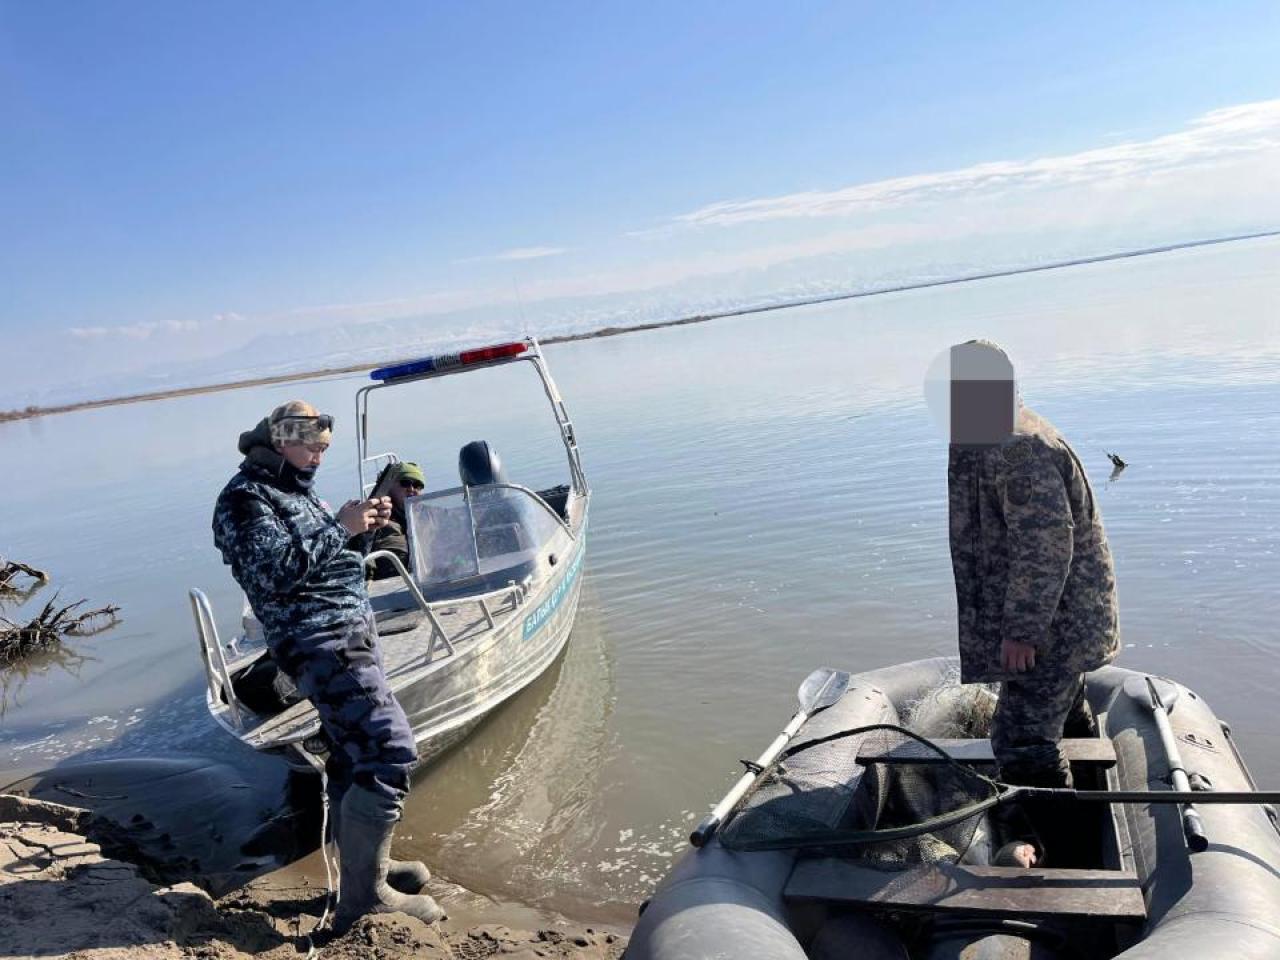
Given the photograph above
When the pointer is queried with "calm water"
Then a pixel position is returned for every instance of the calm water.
(769, 497)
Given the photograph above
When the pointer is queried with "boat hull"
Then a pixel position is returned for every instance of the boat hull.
(447, 704)
(447, 695)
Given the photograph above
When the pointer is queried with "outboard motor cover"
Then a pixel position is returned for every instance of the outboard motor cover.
(479, 463)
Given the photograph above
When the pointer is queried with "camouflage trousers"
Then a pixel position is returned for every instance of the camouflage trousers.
(340, 671)
(1033, 711)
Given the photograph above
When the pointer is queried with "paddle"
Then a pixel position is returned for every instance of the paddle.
(1148, 796)
(820, 689)
(1192, 825)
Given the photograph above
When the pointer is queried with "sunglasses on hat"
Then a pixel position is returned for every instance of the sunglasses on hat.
(323, 420)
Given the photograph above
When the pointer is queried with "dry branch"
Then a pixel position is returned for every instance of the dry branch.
(46, 630)
(10, 570)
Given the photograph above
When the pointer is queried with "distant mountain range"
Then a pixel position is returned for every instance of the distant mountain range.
(287, 353)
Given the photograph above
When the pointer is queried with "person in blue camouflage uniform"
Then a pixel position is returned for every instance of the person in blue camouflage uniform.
(290, 556)
(1035, 582)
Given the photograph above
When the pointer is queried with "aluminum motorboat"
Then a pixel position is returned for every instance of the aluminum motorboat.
(484, 606)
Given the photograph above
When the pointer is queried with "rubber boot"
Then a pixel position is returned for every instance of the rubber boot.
(1080, 722)
(364, 846)
(1038, 821)
(405, 876)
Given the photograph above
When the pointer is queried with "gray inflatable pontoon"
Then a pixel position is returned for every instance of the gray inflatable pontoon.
(1129, 886)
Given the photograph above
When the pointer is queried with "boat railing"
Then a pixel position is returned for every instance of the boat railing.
(379, 461)
(438, 634)
(526, 351)
(217, 674)
(513, 593)
(214, 654)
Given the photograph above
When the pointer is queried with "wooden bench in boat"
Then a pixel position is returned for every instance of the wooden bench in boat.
(289, 726)
(1008, 892)
(1095, 751)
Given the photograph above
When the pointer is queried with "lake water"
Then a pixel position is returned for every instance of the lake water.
(769, 496)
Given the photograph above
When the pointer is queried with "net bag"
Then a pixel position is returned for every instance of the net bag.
(879, 793)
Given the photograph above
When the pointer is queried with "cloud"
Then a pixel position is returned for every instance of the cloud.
(142, 330)
(518, 253)
(1231, 132)
(90, 333)
(1219, 175)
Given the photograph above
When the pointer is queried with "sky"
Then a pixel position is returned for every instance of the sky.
(214, 190)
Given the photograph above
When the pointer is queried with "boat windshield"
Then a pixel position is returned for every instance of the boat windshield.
(484, 536)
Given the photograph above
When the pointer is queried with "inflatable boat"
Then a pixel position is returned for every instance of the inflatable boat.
(1137, 879)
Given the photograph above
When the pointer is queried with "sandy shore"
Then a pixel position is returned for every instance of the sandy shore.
(36, 411)
(68, 889)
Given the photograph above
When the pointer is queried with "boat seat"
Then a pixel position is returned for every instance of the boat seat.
(293, 725)
(1001, 892)
(1090, 751)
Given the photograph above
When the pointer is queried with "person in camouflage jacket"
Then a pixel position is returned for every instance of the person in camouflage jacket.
(1035, 583)
(290, 556)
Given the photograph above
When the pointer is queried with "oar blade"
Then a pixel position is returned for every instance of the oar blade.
(821, 689)
(1166, 690)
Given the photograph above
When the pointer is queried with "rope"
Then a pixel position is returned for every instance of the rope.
(332, 877)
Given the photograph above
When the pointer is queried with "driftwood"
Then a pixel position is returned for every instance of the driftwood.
(10, 570)
(46, 630)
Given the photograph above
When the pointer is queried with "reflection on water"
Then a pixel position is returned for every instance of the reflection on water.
(27, 657)
(769, 496)
(516, 800)
(15, 677)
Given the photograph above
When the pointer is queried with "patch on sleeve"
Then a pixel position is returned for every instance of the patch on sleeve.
(1017, 452)
(1018, 491)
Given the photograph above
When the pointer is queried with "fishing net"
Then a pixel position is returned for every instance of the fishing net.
(879, 793)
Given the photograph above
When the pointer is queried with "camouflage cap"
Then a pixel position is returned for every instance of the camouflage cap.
(299, 423)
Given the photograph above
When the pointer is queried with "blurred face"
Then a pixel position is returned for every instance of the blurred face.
(972, 395)
(304, 456)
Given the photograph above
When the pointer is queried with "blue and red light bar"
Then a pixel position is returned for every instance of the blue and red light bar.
(447, 361)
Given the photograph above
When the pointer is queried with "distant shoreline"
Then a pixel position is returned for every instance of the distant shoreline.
(32, 412)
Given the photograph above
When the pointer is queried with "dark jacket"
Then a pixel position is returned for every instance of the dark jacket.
(1030, 555)
(285, 549)
(391, 538)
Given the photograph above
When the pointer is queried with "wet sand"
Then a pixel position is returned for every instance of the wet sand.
(31, 412)
(70, 887)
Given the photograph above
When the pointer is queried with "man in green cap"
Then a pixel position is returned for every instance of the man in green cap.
(399, 481)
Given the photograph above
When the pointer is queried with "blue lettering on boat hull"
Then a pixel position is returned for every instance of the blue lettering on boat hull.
(534, 621)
